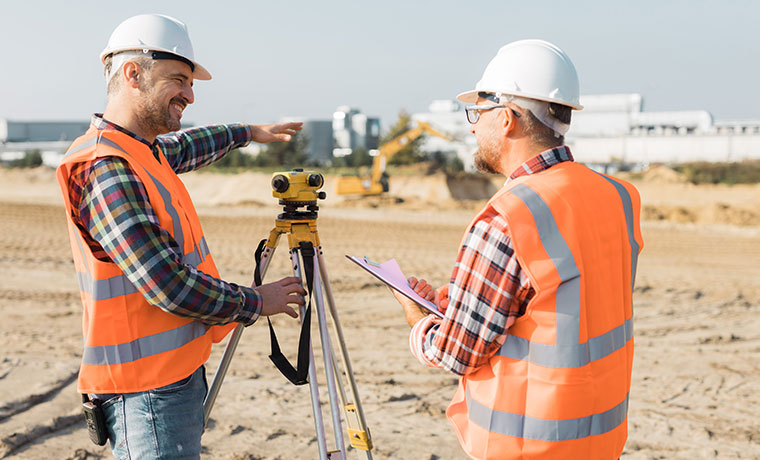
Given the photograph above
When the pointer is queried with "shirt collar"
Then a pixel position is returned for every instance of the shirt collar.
(101, 123)
(543, 161)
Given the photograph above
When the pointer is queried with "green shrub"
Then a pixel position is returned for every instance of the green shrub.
(703, 172)
(31, 159)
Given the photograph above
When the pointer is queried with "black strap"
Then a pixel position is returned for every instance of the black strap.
(299, 374)
(174, 57)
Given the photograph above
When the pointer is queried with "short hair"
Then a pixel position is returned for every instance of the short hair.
(541, 134)
(114, 84)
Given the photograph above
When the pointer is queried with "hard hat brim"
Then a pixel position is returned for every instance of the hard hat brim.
(200, 72)
(469, 97)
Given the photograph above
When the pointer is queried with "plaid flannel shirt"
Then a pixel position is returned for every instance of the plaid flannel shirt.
(112, 210)
(487, 291)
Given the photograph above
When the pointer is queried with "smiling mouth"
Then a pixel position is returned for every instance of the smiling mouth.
(178, 107)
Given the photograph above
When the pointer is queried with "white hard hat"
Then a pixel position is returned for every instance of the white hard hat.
(533, 69)
(154, 35)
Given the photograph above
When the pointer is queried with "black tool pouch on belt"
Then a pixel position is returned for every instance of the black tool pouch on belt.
(96, 420)
(296, 375)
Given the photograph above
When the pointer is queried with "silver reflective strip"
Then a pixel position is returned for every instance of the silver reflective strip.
(198, 255)
(176, 224)
(203, 248)
(102, 289)
(86, 144)
(144, 346)
(568, 355)
(105, 289)
(193, 259)
(523, 426)
(109, 142)
(625, 197)
(567, 352)
(81, 249)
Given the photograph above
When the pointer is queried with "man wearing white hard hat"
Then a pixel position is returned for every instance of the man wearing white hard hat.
(153, 299)
(538, 318)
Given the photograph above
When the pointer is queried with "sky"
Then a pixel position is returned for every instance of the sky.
(274, 59)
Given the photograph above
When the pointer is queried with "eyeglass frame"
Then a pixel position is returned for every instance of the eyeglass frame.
(475, 109)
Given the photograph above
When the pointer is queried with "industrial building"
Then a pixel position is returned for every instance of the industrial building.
(348, 129)
(353, 129)
(50, 138)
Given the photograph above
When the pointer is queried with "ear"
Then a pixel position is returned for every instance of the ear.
(132, 74)
(509, 121)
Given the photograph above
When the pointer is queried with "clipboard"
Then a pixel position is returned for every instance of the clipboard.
(390, 273)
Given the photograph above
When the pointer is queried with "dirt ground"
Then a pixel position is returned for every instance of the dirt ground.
(696, 380)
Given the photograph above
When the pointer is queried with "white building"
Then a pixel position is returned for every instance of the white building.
(614, 129)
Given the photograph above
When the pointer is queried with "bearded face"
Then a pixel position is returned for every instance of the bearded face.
(165, 91)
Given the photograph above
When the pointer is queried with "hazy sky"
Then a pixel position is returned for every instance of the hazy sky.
(303, 58)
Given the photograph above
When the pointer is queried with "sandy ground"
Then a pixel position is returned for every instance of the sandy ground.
(696, 381)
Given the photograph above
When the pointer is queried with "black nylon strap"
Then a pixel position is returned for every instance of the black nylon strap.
(299, 374)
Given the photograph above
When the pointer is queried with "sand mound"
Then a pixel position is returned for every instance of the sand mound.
(715, 213)
(663, 175)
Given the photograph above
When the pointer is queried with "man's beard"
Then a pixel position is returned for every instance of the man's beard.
(154, 117)
(485, 159)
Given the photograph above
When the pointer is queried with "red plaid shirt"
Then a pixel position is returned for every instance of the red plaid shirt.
(487, 291)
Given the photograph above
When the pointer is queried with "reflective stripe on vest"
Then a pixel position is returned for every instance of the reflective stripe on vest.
(120, 285)
(144, 346)
(628, 209)
(86, 144)
(523, 426)
(568, 352)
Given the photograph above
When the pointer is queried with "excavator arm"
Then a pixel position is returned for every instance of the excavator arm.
(374, 184)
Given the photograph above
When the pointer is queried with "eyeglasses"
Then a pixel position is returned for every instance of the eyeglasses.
(473, 111)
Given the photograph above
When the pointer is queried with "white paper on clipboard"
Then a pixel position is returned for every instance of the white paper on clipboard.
(390, 273)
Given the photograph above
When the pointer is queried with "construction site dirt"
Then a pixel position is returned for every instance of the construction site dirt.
(696, 380)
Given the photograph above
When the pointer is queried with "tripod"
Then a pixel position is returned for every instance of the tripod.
(300, 225)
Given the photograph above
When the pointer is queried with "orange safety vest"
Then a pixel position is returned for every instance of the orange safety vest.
(558, 386)
(129, 344)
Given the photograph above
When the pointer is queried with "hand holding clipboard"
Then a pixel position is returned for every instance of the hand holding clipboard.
(390, 273)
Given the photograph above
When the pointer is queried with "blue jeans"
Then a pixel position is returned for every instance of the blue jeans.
(165, 423)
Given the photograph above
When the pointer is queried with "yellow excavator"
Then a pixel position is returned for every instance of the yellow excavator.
(377, 182)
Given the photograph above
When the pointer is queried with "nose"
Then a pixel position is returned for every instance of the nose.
(188, 94)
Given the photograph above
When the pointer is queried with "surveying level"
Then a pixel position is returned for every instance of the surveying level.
(298, 192)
